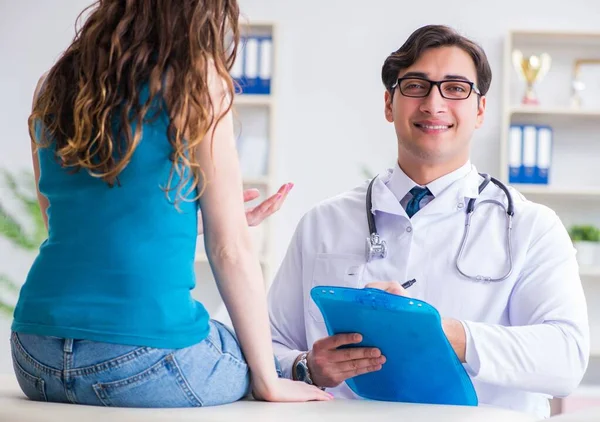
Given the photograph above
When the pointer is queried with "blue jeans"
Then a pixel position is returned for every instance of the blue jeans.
(211, 372)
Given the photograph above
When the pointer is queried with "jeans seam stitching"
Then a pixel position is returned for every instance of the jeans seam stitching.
(184, 384)
(212, 343)
(100, 393)
(133, 379)
(38, 382)
(67, 375)
(235, 360)
(41, 367)
(110, 364)
(42, 388)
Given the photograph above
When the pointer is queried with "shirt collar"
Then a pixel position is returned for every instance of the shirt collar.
(391, 186)
(400, 184)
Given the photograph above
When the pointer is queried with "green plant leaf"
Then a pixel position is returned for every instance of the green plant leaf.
(11, 228)
(5, 309)
(39, 227)
(366, 172)
(584, 233)
(7, 284)
(10, 181)
(14, 231)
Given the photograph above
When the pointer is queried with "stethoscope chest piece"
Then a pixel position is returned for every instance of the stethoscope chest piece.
(376, 247)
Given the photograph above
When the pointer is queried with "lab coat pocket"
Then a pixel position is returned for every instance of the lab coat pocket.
(334, 270)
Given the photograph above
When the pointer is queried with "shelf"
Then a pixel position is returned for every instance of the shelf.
(262, 181)
(567, 192)
(252, 100)
(554, 111)
(256, 24)
(589, 272)
(556, 38)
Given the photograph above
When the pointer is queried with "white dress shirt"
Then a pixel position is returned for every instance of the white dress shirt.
(400, 184)
(527, 336)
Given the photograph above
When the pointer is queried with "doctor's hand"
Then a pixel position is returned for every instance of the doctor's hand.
(256, 215)
(330, 366)
(392, 287)
(455, 332)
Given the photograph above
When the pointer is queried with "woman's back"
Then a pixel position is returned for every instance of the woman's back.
(132, 133)
(118, 265)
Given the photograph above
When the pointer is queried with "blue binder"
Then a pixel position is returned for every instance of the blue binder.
(254, 65)
(543, 154)
(529, 162)
(265, 67)
(421, 366)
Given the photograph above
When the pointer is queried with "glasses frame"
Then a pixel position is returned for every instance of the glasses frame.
(439, 86)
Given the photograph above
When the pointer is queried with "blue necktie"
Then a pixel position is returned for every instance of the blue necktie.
(414, 204)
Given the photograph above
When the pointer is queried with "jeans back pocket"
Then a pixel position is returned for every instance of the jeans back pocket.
(33, 387)
(161, 385)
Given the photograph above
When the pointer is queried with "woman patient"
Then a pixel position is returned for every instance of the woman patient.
(132, 135)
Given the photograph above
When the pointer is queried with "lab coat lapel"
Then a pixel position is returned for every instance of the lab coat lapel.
(383, 199)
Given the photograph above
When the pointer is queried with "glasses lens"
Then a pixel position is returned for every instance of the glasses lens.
(455, 90)
(414, 87)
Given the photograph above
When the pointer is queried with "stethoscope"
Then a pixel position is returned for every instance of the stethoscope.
(377, 248)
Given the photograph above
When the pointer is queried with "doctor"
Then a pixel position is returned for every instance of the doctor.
(522, 337)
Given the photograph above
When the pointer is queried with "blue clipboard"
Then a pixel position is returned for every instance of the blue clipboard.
(420, 367)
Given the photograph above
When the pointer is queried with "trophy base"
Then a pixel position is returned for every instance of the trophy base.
(530, 101)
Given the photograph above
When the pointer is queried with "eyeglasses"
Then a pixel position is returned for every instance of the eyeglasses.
(451, 89)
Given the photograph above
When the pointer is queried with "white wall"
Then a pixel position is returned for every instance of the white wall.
(330, 108)
(330, 113)
(32, 35)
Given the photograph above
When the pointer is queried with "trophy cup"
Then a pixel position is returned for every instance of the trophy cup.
(577, 84)
(531, 69)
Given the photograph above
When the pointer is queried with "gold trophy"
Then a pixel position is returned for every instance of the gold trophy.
(577, 85)
(531, 69)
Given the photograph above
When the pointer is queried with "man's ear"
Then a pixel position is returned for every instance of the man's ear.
(389, 113)
(480, 112)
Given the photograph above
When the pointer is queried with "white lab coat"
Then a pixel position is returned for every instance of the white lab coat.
(527, 336)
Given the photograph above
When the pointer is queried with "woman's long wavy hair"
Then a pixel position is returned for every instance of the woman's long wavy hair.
(122, 46)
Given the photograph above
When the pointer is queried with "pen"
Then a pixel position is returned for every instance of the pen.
(409, 283)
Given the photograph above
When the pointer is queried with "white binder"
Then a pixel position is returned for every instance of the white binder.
(529, 153)
(515, 150)
(251, 65)
(266, 65)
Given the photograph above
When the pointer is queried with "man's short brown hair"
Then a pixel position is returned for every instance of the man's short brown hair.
(434, 36)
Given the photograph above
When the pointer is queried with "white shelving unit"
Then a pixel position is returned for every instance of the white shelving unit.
(554, 111)
(258, 110)
(254, 100)
(254, 122)
(573, 190)
(574, 182)
(560, 192)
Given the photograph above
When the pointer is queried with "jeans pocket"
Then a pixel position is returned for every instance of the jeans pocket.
(161, 385)
(33, 387)
(215, 367)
